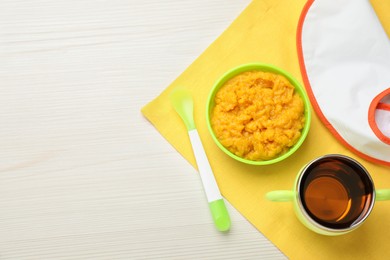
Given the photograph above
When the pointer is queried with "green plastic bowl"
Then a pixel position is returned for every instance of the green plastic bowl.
(267, 68)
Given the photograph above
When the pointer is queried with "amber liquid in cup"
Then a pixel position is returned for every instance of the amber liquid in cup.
(336, 192)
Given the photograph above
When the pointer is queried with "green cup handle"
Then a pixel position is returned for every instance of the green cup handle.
(288, 195)
(382, 194)
(280, 195)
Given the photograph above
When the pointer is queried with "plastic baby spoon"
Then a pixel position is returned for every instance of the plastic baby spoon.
(183, 103)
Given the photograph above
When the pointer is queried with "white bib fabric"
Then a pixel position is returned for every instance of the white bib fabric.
(344, 55)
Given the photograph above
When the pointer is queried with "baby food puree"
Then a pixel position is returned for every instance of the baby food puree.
(258, 115)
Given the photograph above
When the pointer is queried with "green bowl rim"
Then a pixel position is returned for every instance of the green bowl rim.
(268, 68)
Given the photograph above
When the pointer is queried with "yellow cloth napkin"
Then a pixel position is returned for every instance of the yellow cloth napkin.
(266, 32)
(382, 9)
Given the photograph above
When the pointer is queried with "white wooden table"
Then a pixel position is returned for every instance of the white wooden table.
(83, 175)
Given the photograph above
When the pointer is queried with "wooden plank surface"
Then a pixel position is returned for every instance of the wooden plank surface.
(83, 175)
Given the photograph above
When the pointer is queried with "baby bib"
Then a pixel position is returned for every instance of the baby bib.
(344, 55)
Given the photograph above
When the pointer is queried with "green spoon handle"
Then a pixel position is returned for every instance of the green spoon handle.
(217, 206)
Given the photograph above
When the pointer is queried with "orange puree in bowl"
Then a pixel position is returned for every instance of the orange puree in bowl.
(258, 115)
